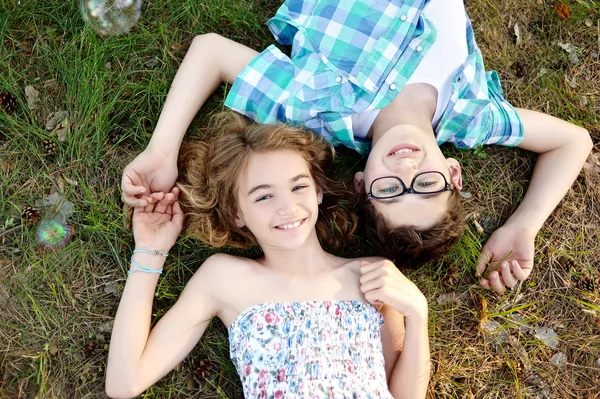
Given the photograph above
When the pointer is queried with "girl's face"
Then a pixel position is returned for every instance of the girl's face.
(278, 200)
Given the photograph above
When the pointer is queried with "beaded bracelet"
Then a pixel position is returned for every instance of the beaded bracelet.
(146, 269)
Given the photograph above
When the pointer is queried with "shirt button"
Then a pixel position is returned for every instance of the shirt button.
(338, 79)
(419, 48)
(403, 18)
(393, 86)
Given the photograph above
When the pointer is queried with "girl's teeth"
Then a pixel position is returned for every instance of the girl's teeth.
(291, 226)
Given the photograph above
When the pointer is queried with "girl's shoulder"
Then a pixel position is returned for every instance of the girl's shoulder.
(224, 264)
(352, 266)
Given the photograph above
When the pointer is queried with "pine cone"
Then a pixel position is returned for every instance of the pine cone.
(116, 134)
(204, 368)
(586, 283)
(8, 102)
(49, 147)
(30, 215)
(90, 348)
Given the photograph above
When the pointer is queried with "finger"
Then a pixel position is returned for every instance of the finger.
(177, 215)
(519, 272)
(373, 297)
(176, 191)
(149, 208)
(372, 275)
(132, 200)
(132, 184)
(483, 260)
(370, 266)
(496, 283)
(161, 206)
(485, 283)
(509, 279)
(371, 285)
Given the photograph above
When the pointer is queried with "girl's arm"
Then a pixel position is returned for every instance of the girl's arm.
(210, 61)
(410, 375)
(407, 360)
(139, 357)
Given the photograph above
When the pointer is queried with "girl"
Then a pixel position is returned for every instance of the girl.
(301, 322)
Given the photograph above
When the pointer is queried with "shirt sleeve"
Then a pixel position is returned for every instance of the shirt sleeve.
(262, 90)
(505, 127)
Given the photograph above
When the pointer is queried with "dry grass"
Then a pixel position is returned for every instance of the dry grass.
(56, 307)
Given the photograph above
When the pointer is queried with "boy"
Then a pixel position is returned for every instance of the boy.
(394, 77)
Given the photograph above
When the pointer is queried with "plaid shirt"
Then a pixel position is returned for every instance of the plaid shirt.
(351, 56)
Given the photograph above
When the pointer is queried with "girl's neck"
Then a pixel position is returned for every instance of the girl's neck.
(307, 260)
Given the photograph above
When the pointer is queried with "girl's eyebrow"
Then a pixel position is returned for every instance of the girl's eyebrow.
(266, 186)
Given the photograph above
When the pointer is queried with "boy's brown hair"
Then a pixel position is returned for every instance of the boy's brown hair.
(209, 173)
(408, 247)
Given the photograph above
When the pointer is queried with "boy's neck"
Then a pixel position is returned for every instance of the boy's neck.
(415, 105)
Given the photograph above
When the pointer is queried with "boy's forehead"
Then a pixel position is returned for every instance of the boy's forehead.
(413, 210)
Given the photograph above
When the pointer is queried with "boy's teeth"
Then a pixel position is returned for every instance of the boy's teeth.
(403, 151)
(290, 226)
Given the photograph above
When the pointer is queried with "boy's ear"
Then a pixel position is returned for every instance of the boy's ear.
(455, 173)
(358, 182)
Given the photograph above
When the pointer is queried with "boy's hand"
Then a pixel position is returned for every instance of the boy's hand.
(382, 283)
(149, 175)
(157, 226)
(509, 254)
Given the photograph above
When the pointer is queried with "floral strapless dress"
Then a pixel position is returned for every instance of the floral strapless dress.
(309, 350)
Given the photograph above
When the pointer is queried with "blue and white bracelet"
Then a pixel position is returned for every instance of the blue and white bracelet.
(146, 269)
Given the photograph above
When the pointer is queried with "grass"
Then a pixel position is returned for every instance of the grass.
(57, 306)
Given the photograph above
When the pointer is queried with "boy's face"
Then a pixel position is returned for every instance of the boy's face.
(404, 151)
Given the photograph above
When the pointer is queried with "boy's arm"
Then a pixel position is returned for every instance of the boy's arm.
(563, 149)
(210, 61)
(139, 357)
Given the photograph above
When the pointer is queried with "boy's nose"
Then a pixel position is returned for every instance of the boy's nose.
(406, 168)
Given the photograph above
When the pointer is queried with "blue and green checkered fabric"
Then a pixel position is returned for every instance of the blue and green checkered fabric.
(351, 56)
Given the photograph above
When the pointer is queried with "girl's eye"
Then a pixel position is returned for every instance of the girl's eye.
(299, 188)
(264, 197)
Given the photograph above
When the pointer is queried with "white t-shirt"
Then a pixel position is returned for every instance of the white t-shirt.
(439, 65)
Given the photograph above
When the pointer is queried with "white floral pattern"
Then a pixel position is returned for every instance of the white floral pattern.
(310, 350)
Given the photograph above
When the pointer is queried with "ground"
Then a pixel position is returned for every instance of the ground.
(57, 305)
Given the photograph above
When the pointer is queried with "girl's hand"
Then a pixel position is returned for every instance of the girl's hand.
(157, 226)
(150, 173)
(382, 283)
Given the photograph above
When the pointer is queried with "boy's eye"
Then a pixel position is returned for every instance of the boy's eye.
(299, 187)
(389, 190)
(426, 183)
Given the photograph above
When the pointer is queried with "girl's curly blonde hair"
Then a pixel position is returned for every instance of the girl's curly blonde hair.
(209, 173)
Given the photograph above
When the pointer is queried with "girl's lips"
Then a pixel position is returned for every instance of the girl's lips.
(290, 225)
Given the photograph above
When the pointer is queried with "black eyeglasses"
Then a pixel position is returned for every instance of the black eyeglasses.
(423, 183)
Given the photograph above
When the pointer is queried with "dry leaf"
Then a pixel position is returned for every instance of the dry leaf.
(517, 29)
(53, 349)
(484, 314)
(592, 164)
(54, 119)
(562, 10)
(33, 97)
(5, 165)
